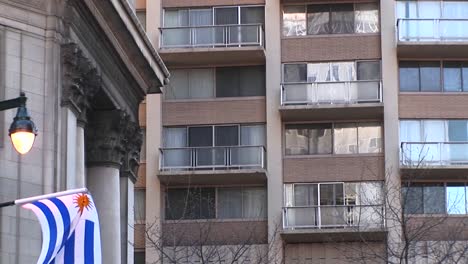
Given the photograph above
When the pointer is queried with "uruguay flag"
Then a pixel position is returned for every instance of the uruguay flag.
(70, 228)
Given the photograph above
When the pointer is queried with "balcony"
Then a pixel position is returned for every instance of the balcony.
(214, 165)
(213, 44)
(436, 38)
(434, 159)
(333, 100)
(333, 223)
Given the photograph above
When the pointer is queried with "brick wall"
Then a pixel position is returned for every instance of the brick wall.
(330, 47)
(433, 105)
(333, 168)
(217, 111)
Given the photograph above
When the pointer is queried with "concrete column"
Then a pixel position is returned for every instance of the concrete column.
(274, 128)
(391, 123)
(113, 145)
(80, 170)
(104, 184)
(127, 219)
(153, 185)
(70, 129)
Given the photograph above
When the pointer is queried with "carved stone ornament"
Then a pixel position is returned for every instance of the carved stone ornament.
(81, 81)
(106, 138)
(131, 162)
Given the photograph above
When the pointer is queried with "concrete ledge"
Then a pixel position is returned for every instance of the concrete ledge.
(333, 235)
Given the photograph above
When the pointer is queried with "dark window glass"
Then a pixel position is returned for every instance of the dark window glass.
(342, 19)
(252, 15)
(412, 199)
(452, 77)
(434, 199)
(331, 194)
(194, 203)
(318, 19)
(200, 136)
(226, 16)
(252, 81)
(227, 82)
(240, 81)
(430, 76)
(295, 73)
(465, 77)
(226, 136)
(139, 257)
(409, 76)
(368, 70)
(305, 195)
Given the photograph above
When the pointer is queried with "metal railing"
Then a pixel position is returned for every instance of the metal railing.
(333, 216)
(212, 36)
(422, 29)
(203, 158)
(351, 92)
(434, 153)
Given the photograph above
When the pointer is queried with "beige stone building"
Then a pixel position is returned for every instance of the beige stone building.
(305, 132)
(85, 66)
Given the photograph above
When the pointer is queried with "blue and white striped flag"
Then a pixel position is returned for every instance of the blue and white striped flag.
(70, 228)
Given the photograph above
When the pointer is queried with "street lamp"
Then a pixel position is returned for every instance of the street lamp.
(22, 131)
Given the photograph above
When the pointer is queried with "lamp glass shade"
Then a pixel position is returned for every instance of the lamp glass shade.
(22, 141)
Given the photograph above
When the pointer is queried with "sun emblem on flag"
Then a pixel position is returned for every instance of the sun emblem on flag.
(82, 201)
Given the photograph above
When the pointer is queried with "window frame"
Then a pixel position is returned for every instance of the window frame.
(333, 153)
(216, 217)
(329, 19)
(355, 66)
(445, 185)
(463, 65)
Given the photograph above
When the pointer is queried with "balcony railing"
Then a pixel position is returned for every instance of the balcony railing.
(212, 36)
(424, 154)
(414, 30)
(333, 216)
(352, 92)
(211, 158)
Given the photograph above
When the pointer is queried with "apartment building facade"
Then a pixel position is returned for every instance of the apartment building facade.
(305, 132)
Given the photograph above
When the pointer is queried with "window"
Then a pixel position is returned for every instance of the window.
(216, 82)
(300, 20)
(193, 203)
(139, 257)
(435, 198)
(435, 76)
(221, 203)
(344, 71)
(348, 193)
(432, 9)
(140, 204)
(240, 81)
(241, 203)
(339, 138)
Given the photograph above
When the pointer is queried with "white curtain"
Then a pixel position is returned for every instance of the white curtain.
(433, 131)
(176, 36)
(254, 202)
(229, 203)
(254, 136)
(201, 83)
(202, 35)
(178, 88)
(458, 29)
(410, 131)
(174, 139)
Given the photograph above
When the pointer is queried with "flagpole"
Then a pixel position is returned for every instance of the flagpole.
(40, 197)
